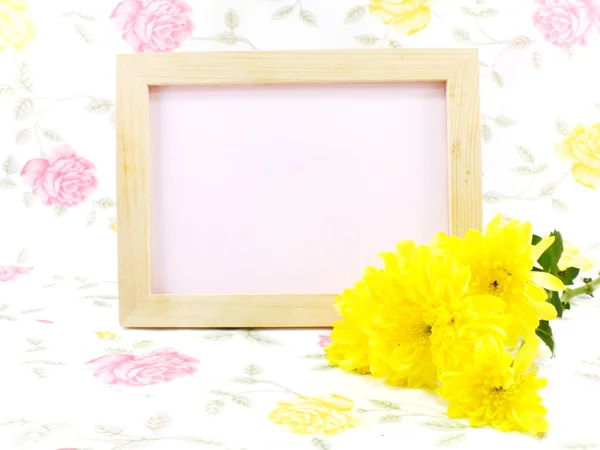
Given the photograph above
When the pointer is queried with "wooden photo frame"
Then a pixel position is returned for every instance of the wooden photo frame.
(147, 89)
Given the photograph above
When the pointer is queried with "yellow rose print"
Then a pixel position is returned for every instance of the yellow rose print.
(582, 148)
(407, 16)
(315, 415)
(106, 335)
(16, 30)
(572, 257)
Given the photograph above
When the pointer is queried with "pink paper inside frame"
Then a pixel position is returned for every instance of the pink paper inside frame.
(291, 188)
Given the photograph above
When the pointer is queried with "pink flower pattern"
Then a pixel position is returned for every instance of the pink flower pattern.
(565, 23)
(64, 179)
(324, 340)
(158, 366)
(11, 273)
(153, 25)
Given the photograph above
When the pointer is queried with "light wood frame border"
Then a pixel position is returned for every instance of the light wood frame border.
(136, 73)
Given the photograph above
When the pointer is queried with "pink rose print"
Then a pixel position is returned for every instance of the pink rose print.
(63, 179)
(155, 367)
(11, 273)
(324, 340)
(567, 22)
(153, 25)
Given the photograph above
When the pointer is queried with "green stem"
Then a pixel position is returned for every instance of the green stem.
(588, 288)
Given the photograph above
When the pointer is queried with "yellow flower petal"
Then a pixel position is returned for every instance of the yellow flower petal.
(526, 356)
(494, 225)
(546, 280)
(545, 310)
(337, 402)
(413, 22)
(487, 304)
(572, 257)
(407, 16)
(586, 176)
(541, 247)
(106, 335)
(314, 415)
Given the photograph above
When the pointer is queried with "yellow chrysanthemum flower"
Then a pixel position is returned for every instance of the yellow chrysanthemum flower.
(328, 414)
(16, 29)
(350, 337)
(497, 390)
(501, 263)
(424, 319)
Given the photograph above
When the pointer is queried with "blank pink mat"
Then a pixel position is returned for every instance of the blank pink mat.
(291, 188)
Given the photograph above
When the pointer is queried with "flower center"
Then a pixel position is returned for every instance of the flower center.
(498, 279)
(418, 333)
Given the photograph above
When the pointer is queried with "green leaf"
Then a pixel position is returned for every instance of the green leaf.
(218, 336)
(7, 183)
(568, 276)
(24, 76)
(242, 401)
(555, 300)
(245, 380)
(461, 35)
(99, 105)
(60, 210)
(6, 90)
(536, 60)
(258, 337)
(451, 439)
(520, 42)
(486, 133)
(445, 424)
(214, 407)
(323, 367)
(23, 108)
(525, 154)
(308, 18)
(562, 128)
(10, 165)
(549, 259)
(232, 19)
(386, 418)
(544, 332)
(315, 356)
(252, 370)
(320, 444)
(23, 136)
(355, 13)
(80, 15)
(106, 203)
(82, 33)
(227, 37)
(497, 78)
(384, 404)
(282, 12)
(503, 121)
(366, 39)
(52, 135)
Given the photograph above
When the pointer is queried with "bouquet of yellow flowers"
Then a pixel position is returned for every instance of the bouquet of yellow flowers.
(463, 317)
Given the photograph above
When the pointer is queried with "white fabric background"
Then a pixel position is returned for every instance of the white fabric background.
(51, 316)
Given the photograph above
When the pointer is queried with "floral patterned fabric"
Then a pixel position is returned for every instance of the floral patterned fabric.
(71, 378)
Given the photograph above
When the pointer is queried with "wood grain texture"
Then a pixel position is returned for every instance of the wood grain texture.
(137, 73)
